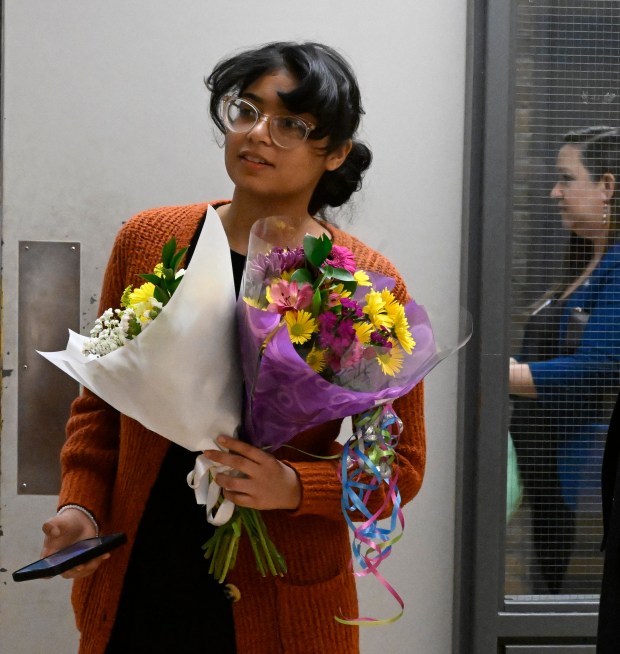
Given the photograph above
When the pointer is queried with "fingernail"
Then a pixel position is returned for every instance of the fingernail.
(221, 439)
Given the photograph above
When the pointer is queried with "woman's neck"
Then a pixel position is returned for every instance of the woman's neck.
(239, 216)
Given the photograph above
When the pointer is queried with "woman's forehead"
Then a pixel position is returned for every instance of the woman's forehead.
(269, 85)
(569, 156)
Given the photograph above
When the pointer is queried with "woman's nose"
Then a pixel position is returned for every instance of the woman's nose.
(260, 131)
(556, 192)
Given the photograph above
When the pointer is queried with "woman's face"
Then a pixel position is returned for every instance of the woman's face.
(581, 200)
(258, 166)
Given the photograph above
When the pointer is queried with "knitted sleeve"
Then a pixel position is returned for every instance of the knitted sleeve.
(321, 487)
(90, 453)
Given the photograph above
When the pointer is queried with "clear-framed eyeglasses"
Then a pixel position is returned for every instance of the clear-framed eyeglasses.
(241, 116)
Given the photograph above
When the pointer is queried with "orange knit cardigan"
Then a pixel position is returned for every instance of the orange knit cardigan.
(110, 463)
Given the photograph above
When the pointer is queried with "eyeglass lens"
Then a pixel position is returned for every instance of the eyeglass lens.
(286, 131)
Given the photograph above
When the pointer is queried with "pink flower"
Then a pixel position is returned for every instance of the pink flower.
(284, 296)
(341, 257)
(353, 355)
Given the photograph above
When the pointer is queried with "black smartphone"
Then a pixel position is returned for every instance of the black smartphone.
(69, 557)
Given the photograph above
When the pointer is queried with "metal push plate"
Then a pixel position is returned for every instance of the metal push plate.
(48, 305)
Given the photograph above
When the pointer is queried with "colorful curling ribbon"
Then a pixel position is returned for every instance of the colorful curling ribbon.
(367, 464)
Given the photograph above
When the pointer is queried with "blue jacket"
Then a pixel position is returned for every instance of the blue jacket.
(582, 380)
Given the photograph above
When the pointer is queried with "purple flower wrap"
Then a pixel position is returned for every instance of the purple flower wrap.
(284, 396)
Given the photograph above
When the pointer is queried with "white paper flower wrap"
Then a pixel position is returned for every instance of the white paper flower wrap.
(180, 377)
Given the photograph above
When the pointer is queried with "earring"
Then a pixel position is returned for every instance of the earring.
(606, 214)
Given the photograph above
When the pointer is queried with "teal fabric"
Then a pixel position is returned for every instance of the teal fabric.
(514, 488)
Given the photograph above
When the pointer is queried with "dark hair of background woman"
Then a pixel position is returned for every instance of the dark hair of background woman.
(599, 148)
(327, 89)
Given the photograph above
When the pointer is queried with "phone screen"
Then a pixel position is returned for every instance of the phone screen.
(66, 554)
(69, 557)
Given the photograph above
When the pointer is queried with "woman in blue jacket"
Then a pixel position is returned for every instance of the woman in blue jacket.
(568, 371)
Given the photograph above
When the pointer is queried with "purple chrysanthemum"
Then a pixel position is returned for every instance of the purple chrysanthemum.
(272, 265)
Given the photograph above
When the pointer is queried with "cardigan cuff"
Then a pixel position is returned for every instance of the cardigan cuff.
(321, 490)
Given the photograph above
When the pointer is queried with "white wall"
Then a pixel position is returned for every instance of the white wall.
(105, 114)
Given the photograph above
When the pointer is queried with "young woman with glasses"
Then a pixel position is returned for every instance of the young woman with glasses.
(289, 114)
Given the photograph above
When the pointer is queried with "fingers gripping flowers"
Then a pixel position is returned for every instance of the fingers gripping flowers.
(331, 323)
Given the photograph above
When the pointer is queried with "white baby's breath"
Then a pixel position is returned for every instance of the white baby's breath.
(111, 330)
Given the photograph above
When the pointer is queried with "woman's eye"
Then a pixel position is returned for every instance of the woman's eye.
(245, 112)
(291, 124)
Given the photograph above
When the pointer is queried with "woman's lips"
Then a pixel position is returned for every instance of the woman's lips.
(254, 160)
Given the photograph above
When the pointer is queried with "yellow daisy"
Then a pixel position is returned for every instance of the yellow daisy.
(301, 325)
(362, 278)
(339, 289)
(316, 360)
(363, 331)
(141, 294)
(159, 270)
(375, 310)
(402, 331)
(392, 305)
(391, 361)
(140, 301)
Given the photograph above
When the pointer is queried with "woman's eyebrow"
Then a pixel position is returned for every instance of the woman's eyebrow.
(251, 96)
(256, 99)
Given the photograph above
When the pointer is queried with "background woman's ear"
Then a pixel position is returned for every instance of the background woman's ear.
(609, 185)
(336, 158)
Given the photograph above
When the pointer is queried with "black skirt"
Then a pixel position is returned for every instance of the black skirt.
(169, 602)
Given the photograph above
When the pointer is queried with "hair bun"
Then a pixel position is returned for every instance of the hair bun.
(336, 186)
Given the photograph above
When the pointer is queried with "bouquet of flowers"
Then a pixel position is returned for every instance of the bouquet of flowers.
(156, 331)
(115, 327)
(321, 339)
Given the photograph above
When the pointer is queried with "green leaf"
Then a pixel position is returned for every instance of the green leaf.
(172, 287)
(167, 274)
(167, 252)
(340, 274)
(350, 286)
(317, 249)
(161, 296)
(302, 275)
(316, 302)
(150, 277)
(176, 260)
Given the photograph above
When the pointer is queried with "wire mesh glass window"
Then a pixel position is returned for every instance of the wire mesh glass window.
(565, 293)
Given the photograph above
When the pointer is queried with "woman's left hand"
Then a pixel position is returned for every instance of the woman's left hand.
(265, 482)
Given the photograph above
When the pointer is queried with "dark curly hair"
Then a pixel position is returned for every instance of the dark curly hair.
(327, 89)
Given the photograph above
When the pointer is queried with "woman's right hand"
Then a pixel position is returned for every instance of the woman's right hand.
(65, 529)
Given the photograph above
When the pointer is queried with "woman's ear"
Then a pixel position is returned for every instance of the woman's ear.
(336, 158)
(608, 182)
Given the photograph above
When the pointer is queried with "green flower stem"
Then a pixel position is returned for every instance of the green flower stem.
(223, 546)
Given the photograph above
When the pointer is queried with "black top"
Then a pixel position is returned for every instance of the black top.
(170, 603)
